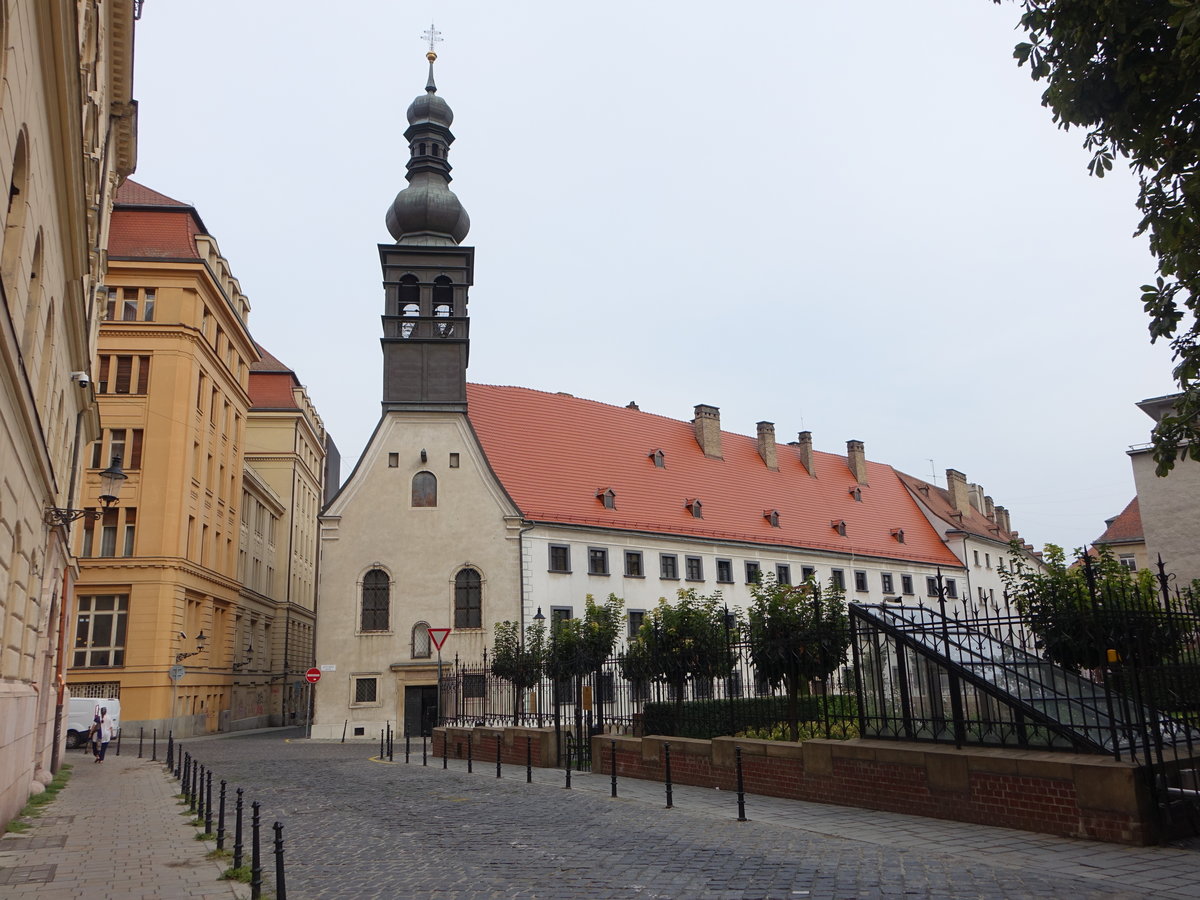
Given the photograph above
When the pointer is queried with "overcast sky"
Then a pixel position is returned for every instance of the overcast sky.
(851, 218)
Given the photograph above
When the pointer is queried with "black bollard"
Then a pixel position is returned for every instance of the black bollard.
(200, 794)
(221, 819)
(445, 747)
(237, 831)
(192, 785)
(737, 755)
(497, 756)
(154, 745)
(179, 751)
(568, 770)
(382, 749)
(406, 748)
(140, 733)
(612, 764)
(667, 771)
(280, 885)
(425, 752)
(470, 745)
(255, 861)
(389, 740)
(528, 759)
(119, 741)
(170, 751)
(208, 803)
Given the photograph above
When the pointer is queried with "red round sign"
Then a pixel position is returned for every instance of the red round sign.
(312, 676)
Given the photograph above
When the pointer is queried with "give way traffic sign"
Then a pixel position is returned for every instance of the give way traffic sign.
(438, 636)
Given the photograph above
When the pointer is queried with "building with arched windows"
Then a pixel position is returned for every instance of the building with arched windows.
(477, 504)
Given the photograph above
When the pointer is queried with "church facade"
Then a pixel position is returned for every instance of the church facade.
(476, 504)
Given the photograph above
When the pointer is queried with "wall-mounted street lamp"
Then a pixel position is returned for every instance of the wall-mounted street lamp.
(111, 480)
(200, 640)
(237, 666)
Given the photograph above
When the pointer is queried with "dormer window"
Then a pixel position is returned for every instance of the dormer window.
(694, 507)
(607, 497)
(839, 525)
(772, 517)
(856, 493)
(660, 459)
(898, 534)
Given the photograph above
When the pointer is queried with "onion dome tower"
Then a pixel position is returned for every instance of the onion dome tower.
(426, 273)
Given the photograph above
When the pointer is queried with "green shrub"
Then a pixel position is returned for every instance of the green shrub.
(839, 730)
(707, 719)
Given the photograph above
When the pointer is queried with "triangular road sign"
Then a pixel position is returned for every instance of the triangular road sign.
(438, 636)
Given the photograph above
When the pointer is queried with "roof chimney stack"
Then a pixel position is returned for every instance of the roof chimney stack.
(975, 495)
(989, 508)
(804, 442)
(856, 459)
(956, 481)
(708, 430)
(1002, 519)
(766, 445)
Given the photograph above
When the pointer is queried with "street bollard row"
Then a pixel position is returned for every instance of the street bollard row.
(196, 785)
(666, 767)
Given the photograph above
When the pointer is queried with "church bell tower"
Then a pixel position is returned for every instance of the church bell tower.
(426, 273)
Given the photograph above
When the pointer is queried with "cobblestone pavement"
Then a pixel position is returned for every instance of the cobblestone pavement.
(361, 827)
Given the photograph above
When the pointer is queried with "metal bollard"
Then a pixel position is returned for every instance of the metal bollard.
(425, 752)
(612, 765)
(382, 754)
(154, 745)
(741, 787)
(445, 747)
(255, 861)
(470, 745)
(497, 756)
(280, 886)
(200, 794)
(187, 776)
(208, 803)
(568, 770)
(528, 759)
(119, 730)
(667, 771)
(170, 751)
(389, 741)
(221, 819)
(237, 832)
(407, 749)
(141, 732)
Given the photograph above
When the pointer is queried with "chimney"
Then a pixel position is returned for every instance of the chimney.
(956, 481)
(989, 508)
(766, 445)
(856, 459)
(708, 430)
(975, 495)
(1002, 519)
(804, 442)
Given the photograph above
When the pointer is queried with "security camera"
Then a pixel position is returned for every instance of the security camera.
(81, 378)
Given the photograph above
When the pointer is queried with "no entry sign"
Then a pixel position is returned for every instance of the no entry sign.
(312, 676)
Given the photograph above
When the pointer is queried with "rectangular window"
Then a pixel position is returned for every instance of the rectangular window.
(886, 582)
(783, 573)
(931, 587)
(143, 374)
(976, 553)
(100, 630)
(558, 615)
(860, 580)
(951, 588)
(108, 533)
(668, 566)
(454, 460)
(116, 443)
(839, 579)
(633, 564)
(148, 305)
(636, 618)
(807, 572)
(987, 560)
(906, 585)
(725, 571)
(560, 558)
(129, 308)
(693, 568)
(123, 380)
(1129, 562)
(597, 561)
(366, 690)
(130, 530)
(135, 450)
(753, 572)
(110, 304)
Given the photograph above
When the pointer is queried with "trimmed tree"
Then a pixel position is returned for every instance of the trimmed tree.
(797, 634)
(579, 647)
(518, 660)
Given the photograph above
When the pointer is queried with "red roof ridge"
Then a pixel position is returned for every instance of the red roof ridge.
(134, 193)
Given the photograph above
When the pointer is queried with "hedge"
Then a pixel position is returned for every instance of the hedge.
(707, 719)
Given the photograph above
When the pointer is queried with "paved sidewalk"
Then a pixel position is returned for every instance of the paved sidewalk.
(115, 832)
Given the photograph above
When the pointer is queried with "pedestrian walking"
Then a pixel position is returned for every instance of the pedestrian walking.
(102, 735)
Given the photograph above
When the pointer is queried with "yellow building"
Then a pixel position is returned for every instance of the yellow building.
(158, 582)
(68, 131)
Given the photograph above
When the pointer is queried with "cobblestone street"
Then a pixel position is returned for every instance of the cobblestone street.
(359, 827)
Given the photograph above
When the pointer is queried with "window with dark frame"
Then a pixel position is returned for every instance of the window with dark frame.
(633, 564)
(693, 568)
(468, 599)
(886, 582)
(839, 579)
(597, 561)
(100, 630)
(725, 571)
(366, 690)
(636, 618)
(422, 646)
(753, 572)
(560, 558)
(906, 585)
(375, 601)
(668, 566)
(783, 573)
(860, 580)
(951, 588)
(807, 572)
(931, 587)
(558, 615)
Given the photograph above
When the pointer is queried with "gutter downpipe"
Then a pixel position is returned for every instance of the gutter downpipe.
(521, 569)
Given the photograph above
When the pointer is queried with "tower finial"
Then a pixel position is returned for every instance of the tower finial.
(434, 37)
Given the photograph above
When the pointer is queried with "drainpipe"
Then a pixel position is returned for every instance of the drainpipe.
(521, 569)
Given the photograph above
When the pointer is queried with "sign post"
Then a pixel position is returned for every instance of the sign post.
(312, 676)
(437, 637)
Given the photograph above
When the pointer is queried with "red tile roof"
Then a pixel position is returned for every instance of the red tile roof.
(1125, 528)
(554, 453)
(133, 194)
(941, 504)
(268, 362)
(271, 382)
(150, 225)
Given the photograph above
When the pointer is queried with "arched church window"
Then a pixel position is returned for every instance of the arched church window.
(422, 149)
(424, 489)
(421, 646)
(443, 304)
(14, 222)
(409, 298)
(468, 599)
(375, 601)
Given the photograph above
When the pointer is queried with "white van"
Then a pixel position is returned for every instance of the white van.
(82, 711)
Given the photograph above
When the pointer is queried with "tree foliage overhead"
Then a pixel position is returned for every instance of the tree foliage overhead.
(580, 646)
(1128, 72)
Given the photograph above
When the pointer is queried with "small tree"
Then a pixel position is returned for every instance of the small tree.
(681, 640)
(579, 647)
(519, 661)
(1078, 613)
(797, 634)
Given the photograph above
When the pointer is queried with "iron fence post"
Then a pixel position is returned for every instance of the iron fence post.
(667, 771)
(280, 884)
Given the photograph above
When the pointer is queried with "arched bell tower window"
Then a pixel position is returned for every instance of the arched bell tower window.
(424, 489)
(443, 304)
(409, 299)
(375, 601)
(468, 599)
(421, 646)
